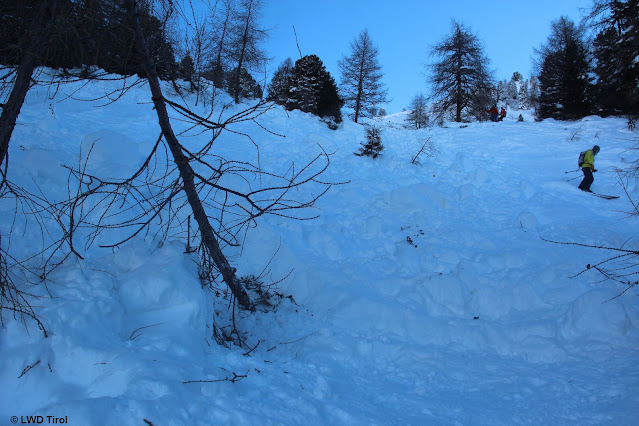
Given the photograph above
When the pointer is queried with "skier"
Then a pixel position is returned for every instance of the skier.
(588, 167)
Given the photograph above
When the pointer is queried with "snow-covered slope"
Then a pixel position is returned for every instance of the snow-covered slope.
(423, 294)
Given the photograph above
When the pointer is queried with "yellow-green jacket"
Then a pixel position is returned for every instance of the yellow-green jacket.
(589, 160)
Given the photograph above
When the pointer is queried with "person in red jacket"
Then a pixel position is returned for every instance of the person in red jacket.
(493, 113)
(502, 114)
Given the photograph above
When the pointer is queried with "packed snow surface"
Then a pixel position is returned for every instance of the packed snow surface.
(422, 294)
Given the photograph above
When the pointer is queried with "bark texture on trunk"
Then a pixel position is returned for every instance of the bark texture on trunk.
(38, 33)
(186, 171)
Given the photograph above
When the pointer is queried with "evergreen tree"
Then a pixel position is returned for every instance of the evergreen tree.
(280, 84)
(533, 92)
(512, 90)
(373, 146)
(186, 70)
(244, 88)
(361, 77)
(616, 49)
(312, 89)
(565, 79)
(508, 91)
(330, 103)
(87, 33)
(500, 92)
(461, 81)
(418, 114)
(522, 96)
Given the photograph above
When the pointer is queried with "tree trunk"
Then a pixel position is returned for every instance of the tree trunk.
(38, 32)
(459, 96)
(360, 88)
(182, 162)
(245, 41)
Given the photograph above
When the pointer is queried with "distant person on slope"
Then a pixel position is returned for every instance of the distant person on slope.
(588, 167)
(493, 113)
(502, 114)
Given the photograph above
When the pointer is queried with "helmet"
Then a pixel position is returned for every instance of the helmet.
(595, 149)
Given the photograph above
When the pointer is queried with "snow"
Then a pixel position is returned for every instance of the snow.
(423, 294)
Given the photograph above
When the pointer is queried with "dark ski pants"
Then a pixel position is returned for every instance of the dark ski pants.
(588, 179)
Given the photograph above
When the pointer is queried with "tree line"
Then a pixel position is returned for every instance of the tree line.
(223, 44)
(575, 77)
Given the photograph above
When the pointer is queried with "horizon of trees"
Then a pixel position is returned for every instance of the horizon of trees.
(226, 49)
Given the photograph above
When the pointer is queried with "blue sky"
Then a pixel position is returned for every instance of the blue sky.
(405, 30)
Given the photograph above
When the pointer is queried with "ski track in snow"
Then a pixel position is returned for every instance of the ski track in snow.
(423, 294)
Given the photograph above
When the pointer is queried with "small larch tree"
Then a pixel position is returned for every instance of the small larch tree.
(418, 114)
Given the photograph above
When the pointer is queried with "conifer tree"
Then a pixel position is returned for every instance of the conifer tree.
(86, 33)
(565, 79)
(280, 84)
(512, 90)
(361, 77)
(244, 88)
(616, 49)
(373, 146)
(418, 114)
(313, 89)
(500, 91)
(461, 81)
(186, 70)
(533, 92)
(522, 96)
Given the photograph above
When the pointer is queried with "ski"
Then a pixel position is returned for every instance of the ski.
(604, 196)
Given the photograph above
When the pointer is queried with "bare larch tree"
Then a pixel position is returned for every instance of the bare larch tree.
(252, 204)
(245, 39)
(361, 84)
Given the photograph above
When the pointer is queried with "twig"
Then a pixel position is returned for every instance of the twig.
(249, 352)
(132, 337)
(235, 378)
(297, 340)
(297, 42)
(27, 368)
